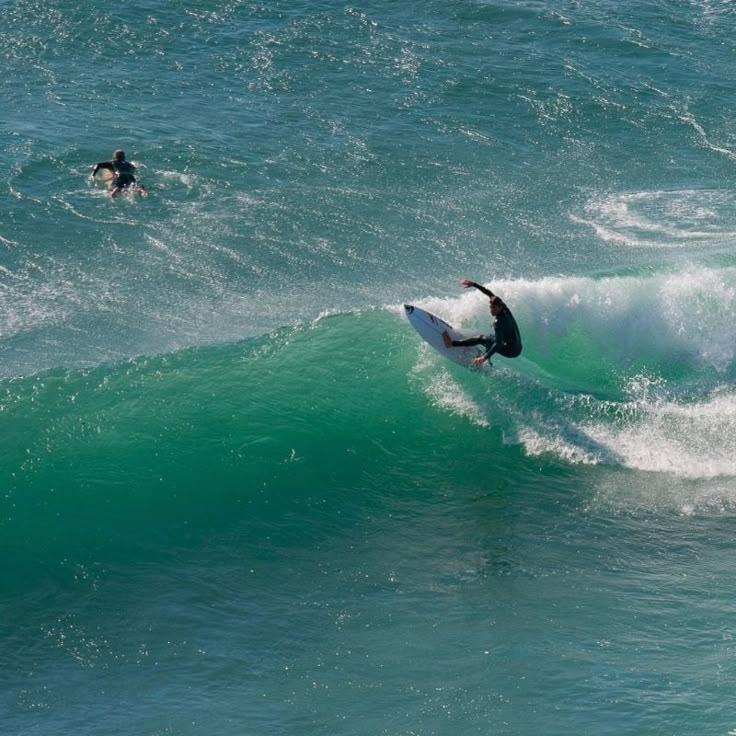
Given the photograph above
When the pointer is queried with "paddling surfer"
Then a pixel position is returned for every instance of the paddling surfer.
(123, 174)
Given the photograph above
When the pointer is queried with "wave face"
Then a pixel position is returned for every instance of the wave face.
(237, 491)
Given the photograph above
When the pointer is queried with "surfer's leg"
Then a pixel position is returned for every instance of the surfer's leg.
(471, 341)
(488, 342)
(450, 343)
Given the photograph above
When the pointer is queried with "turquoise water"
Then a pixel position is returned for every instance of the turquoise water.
(238, 495)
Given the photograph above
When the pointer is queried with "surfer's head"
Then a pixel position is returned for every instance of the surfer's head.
(496, 304)
(119, 155)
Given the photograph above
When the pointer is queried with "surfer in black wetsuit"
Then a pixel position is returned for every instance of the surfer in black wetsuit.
(506, 339)
(123, 174)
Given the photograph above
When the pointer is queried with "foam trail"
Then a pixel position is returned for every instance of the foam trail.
(690, 119)
(662, 219)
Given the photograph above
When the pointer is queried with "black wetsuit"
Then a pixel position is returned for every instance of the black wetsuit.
(122, 173)
(506, 341)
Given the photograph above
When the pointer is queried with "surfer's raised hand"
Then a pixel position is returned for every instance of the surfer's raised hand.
(467, 283)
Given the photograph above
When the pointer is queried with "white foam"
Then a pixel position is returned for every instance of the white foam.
(661, 218)
(535, 443)
(444, 391)
(688, 439)
(684, 316)
(696, 440)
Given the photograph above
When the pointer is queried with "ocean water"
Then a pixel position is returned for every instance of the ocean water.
(239, 495)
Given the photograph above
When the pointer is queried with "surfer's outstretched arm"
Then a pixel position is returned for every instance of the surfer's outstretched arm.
(468, 284)
(102, 165)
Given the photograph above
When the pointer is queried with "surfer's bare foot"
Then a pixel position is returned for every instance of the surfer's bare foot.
(447, 339)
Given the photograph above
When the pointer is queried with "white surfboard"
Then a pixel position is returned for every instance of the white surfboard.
(431, 327)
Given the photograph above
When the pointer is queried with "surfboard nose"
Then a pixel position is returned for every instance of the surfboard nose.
(408, 308)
